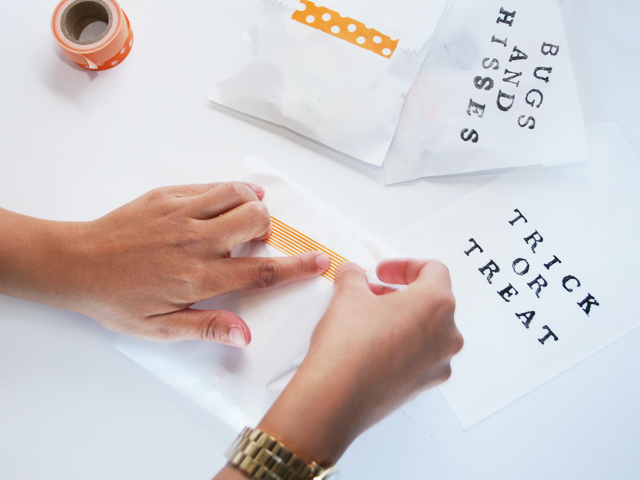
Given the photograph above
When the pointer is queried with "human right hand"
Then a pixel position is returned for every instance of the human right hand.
(374, 349)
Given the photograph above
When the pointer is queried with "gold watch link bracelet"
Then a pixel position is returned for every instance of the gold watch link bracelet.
(261, 457)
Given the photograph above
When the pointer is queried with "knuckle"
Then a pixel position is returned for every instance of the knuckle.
(258, 211)
(267, 274)
(210, 328)
(440, 269)
(347, 280)
(457, 342)
(240, 191)
(163, 334)
(445, 301)
(259, 215)
(449, 301)
(163, 204)
(190, 283)
(435, 263)
(157, 330)
(158, 195)
(300, 266)
(445, 374)
(443, 268)
(133, 326)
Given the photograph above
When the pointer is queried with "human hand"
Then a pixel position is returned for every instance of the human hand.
(374, 349)
(139, 269)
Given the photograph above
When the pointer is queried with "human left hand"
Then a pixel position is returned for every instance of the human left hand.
(139, 269)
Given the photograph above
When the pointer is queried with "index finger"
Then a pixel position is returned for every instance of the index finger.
(242, 273)
(194, 190)
(404, 271)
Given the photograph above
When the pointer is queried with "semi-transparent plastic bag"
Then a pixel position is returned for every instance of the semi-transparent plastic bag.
(239, 385)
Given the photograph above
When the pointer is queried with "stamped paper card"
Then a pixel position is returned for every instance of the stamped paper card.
(544, 268)
(496, 90)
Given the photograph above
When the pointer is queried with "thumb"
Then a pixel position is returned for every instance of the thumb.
(351, 279)
(193, 324)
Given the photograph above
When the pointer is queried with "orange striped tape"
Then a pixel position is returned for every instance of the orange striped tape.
(345, 28)
(106, 47)
(291, 242)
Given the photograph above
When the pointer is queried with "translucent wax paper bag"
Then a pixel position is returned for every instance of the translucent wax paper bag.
(322, 71)
(239, 385)
(496, 90)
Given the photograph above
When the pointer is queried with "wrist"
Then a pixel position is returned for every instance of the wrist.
(315, 416)
(37, 258)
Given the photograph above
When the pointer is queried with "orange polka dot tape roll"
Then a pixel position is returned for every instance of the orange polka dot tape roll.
(95, 34)
(290, 241)
(345, 28)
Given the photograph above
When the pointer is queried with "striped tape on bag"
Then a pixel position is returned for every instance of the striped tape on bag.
(290, 241)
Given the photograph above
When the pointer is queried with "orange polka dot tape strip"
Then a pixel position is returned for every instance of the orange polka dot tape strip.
(345, 28)
(110, 43)
(290, 241)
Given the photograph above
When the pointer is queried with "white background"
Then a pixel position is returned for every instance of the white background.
(75, 145)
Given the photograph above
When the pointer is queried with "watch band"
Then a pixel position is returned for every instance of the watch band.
(260, 456)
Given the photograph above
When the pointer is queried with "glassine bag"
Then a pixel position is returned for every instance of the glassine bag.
(239, 385)
(496, 90)
(336, 71)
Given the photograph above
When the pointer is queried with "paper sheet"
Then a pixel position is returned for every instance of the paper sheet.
(230, 382)
(496, 90)
(323, 87)
(544, 268)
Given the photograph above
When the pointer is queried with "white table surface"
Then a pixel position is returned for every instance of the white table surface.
(75, 145)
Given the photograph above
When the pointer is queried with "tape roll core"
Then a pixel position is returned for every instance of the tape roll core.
(82, 13)
(94, 34)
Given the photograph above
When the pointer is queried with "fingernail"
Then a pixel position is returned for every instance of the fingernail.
(236, 336)
(257, 189)
(323, 261)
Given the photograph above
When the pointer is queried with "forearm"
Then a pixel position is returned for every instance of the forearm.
(314, 416)
(36, 256)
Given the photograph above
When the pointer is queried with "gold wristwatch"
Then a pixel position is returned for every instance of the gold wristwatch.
(260, 456)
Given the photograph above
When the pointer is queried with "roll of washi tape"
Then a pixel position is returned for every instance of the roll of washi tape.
(95, 34)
